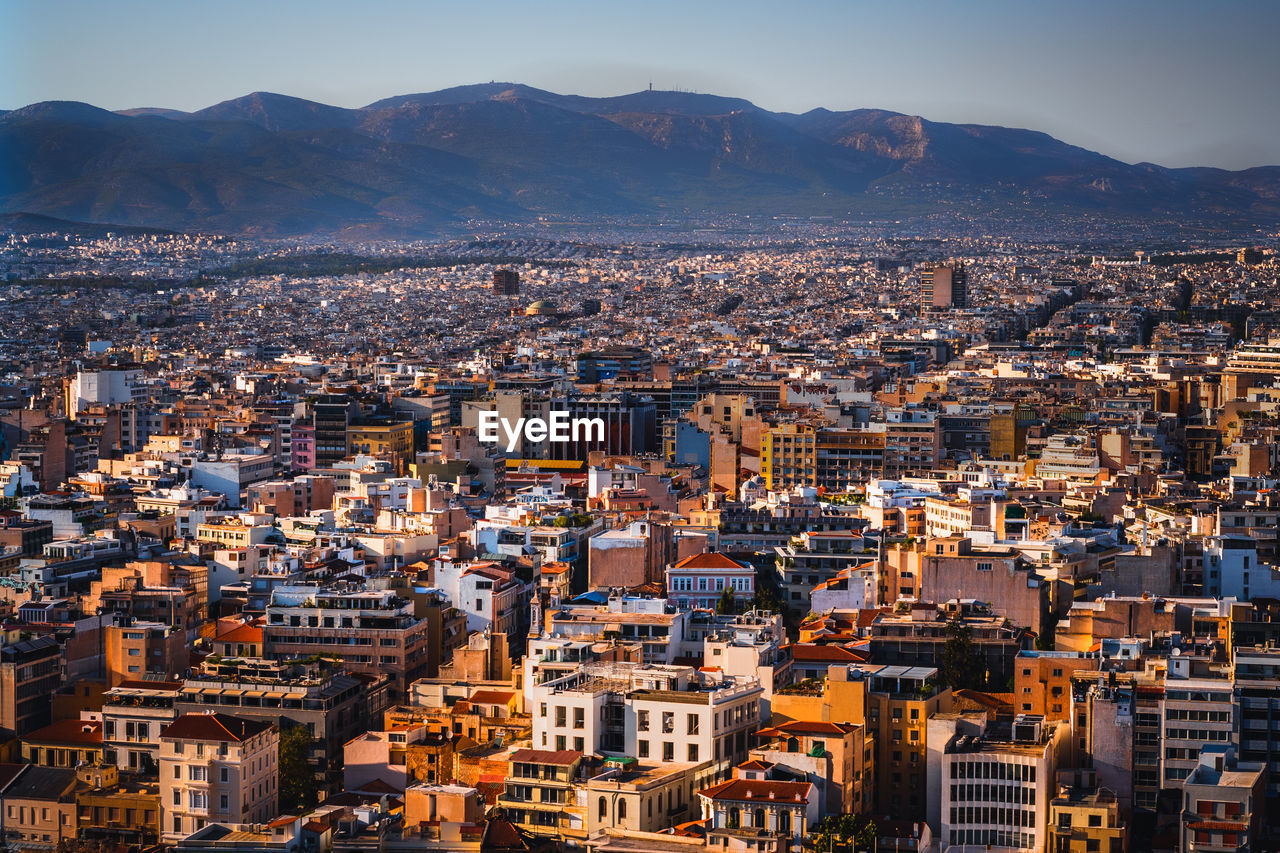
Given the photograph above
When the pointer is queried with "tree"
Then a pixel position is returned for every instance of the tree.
(726, 604)
(958, 666)
(844, 833)
(298, 788)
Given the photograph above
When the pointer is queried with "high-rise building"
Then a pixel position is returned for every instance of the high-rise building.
(944, 287)
(506, 282)
(333, 412)
(901, 701)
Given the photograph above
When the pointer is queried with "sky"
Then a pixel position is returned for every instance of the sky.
(1175, 82)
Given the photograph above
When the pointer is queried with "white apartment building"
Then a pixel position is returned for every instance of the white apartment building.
(995, 786)
(649, 712)
(133, 715)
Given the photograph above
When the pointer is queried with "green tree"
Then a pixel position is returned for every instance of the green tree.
(844, 833)
(298, 788)
(959, 666)
(726, 604)
(766, 597)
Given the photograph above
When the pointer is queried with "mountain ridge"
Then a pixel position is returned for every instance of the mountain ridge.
(273, 164)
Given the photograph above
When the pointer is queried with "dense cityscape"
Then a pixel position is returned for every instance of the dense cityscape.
(925, 542)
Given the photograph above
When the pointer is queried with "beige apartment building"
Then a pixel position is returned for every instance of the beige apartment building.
(216, 768)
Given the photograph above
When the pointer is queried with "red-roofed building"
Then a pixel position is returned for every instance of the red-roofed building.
(809, 660)
(753, 812)
(700, 580)
(838, 758)
(540, 796)
(65, 743)
(216, 768)
(241, 641)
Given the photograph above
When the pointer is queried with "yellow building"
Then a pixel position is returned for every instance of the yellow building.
(382, 439)
(1085, 821)
(66, 743)
(789, 456)
(111, 809)
(900, 701)
(540, 795)
(841, 698)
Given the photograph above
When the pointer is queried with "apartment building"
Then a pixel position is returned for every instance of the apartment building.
(838, 758)
(133, 715)
(789, 456)
(648, 712)
(641, 796)
(1195, 712)
(1222, 802)
(1086, 820)
(900, 702)
(30, 670)
(998, 575)
(996, 784)
(331, 705)
(755, 812)
(1042, 681)
(1256, 673)
(540, 795)
(912, 442)
(135, 649)
(814, 558)
(216, 768)
(389, 439)
(373, 631)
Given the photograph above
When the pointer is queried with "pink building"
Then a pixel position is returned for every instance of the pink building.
(700, 580)
(302, 447)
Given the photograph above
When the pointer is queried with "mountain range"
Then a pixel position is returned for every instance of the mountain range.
(268, 164)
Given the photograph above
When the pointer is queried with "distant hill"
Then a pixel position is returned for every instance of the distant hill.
(31, 223)
(420, 163)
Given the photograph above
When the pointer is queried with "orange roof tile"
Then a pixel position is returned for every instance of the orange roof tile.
(709, 560)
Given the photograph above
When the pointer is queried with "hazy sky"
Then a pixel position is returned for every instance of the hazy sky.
(1177, 82)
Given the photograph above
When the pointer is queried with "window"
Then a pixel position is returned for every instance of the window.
(642, 720)
(693, 721)
(984, 567)
(579, 718)
(668, 722)
(668, 751)
(643, 748)
(693, 752)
